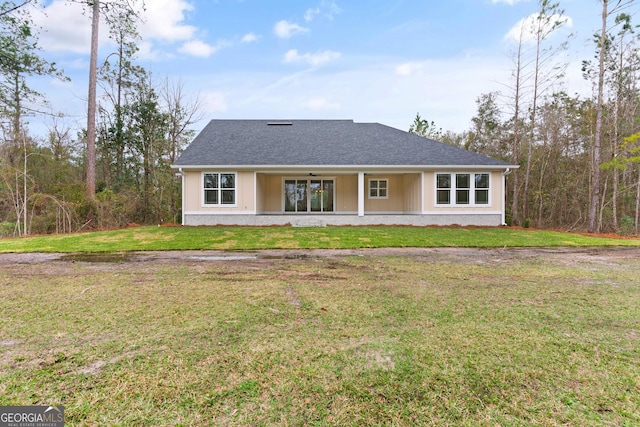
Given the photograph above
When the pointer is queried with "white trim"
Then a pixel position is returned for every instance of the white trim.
(219, 205)
(361, 193)
(183, 193)
(346, 168)
(308, 179)
(422, 188)
(453, 188)
(369, 196)
(255, 190)
(503, 200)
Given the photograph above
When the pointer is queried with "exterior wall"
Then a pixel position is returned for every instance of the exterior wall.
(271, 193)
(495, 191)
(347, 193)
(395, 201)
(411, 202)
(412, 184)
(193, 194)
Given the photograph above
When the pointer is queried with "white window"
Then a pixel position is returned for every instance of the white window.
(462, 189)
(378, 189)
(219, 188)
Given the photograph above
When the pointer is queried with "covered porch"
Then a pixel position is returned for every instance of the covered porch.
(348, 194)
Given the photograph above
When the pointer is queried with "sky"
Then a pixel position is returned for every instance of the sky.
(370, 61)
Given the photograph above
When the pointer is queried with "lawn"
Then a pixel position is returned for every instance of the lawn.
(476, 337)
(254, 238)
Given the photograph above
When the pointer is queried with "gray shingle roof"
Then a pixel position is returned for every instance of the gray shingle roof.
(320, 143)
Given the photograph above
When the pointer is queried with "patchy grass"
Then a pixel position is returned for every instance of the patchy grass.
(485, 340)
(252, 238)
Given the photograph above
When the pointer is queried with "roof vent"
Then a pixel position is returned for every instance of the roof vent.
(279, 123)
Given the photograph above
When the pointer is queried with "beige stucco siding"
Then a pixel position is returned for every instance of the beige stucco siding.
(193, 193)
(495, 191)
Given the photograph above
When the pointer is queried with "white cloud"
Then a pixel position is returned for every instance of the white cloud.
(320, 104)
(214, 102)
(311, 13)
(164, 20)
(327, 9)
(313, 59)
(201, 49)
(526, 28)
(509, 2)
(66, 28)
(407, 68)
(285, 29)
(250, 38)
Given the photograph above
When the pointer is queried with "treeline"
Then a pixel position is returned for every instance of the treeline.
(579, 158)
(142, 123)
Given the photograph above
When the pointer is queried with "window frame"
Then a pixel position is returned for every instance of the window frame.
(377, 189)
(220, 189)
(455, 192)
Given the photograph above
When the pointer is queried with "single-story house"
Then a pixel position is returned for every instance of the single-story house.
(334, 172)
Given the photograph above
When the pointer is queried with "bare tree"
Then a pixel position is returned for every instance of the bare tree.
(90, 183)
(596, 160)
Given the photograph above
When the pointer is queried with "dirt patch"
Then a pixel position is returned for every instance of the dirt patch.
(599, 256)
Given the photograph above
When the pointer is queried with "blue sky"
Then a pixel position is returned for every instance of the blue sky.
(351, 59)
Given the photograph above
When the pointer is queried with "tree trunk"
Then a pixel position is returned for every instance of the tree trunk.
(90, 185)
(595, 165)
(515, 159)
(635, 222)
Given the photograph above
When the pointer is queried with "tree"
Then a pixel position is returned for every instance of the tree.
(425, 128)
(486, 134)
(603, 45)
(114, 7)
(19, 59)
(90, 180)
(547, 20)
(119, 77)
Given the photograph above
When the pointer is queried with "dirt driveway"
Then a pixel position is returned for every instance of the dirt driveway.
(568, 256)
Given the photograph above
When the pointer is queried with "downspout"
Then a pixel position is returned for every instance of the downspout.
(182, 178)
(504, 199)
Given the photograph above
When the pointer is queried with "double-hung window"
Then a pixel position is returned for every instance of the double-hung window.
(378, 189)
(462, 189)
(219, 188)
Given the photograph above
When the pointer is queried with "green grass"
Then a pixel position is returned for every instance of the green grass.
(253, 238)
(440, 339)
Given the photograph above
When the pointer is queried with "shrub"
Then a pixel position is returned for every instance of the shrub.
(626, 227)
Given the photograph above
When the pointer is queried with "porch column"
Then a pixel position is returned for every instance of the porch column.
(360, 193)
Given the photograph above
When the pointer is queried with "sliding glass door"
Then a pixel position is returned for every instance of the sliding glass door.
(309, 195)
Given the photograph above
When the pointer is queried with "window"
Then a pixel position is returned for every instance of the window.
(482, 189)
(463, 184)
(219, 188)
(462, 189)
(443, 189)
(378, 189)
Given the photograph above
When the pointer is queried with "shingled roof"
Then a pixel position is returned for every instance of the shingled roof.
(291, 143)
